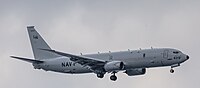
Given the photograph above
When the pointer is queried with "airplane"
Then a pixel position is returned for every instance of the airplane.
(130, 62)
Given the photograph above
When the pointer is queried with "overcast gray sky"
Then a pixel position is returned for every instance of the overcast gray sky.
(89, 26)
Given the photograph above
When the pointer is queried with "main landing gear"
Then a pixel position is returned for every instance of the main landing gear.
(100, 75)
(113, 77)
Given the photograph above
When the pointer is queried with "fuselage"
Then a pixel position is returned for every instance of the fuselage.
(132, 59)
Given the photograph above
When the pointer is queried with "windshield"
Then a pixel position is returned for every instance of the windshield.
(176, 52)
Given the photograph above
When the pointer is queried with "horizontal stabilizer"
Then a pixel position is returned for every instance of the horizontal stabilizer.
(27, 60)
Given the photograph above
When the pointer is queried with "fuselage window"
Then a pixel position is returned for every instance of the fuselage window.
(110, 57)
(144, 55)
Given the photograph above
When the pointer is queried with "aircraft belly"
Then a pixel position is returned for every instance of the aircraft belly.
(79, 69)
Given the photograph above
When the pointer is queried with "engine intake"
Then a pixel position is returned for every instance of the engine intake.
(113, 66)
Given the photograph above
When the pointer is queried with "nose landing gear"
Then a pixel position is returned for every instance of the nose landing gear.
(171, 70)
(173, 66)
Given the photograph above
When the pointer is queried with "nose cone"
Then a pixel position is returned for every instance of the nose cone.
(187, 57)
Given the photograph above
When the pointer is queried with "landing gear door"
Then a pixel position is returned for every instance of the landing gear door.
(165, 54)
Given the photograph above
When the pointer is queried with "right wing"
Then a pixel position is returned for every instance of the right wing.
(93, 63)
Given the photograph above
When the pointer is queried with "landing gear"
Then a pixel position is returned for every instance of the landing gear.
(173, 66)
(100, 75)
(171, 70)
(113, 77)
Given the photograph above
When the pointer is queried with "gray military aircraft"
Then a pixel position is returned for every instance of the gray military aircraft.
(131, 62)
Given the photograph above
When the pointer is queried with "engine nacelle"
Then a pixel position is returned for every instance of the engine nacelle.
(114, 66)
(133, 72)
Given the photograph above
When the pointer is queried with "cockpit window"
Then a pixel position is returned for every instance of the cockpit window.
(175, 52)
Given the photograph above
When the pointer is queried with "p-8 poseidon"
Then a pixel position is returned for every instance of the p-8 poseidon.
(131, 62)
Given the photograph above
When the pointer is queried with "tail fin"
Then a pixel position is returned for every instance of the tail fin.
(38, 43)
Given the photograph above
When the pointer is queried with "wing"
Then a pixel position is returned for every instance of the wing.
(93, 63)
(27, 60)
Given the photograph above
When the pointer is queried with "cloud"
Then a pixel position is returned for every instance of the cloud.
(90, 26)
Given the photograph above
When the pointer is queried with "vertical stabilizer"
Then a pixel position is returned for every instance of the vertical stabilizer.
(38, 43)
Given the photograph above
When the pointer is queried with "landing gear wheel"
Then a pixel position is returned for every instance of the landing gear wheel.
(113, 77)
(100, 75)
(171, 70)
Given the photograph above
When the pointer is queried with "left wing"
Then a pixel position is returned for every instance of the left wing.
(93, 63)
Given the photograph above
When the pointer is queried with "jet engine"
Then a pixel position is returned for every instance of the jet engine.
(113, 66)
(133, 72)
